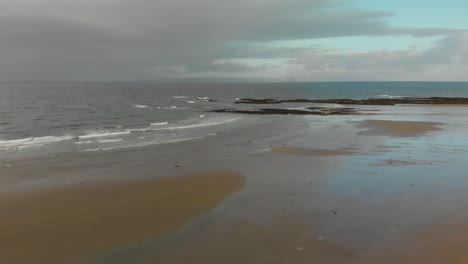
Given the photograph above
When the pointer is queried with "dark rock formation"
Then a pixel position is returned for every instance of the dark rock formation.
(381, 101)
(306, 111)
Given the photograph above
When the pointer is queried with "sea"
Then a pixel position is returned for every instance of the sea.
(39, 119)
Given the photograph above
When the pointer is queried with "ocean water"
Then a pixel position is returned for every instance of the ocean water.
(47, 118)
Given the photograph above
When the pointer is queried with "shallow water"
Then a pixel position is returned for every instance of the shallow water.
(46, 118)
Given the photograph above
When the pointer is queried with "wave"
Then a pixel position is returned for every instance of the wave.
(146, 143)
(333, 106)
(94, 149)
(173, 107)
(141, 106)
(191, 102)
(180, 96)
(152, 127)
(83, 142)
(159, 124)
(103, 134)
(201, 124)
(32, 141)
(109, 140)
(202, 98)
(387, 96)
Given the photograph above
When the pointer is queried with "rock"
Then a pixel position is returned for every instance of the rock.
(280, 111)
(371, 101)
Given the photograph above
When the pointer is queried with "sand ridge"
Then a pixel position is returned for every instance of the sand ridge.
(398, 128)
(309, 152)
(69, 224)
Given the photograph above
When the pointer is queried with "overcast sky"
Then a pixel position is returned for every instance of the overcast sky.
(278, 40)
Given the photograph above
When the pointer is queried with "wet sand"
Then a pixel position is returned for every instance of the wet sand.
(442, 105)
(70, 224)
(441, 244)
(324, 201)
(394, 162)
(309, 152)
(281, 239)
(398, 128)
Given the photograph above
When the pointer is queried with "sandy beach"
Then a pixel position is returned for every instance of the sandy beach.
(398, 128)
(280, 189)
(66, 225)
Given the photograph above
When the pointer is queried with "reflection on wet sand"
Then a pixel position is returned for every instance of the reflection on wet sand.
(395, 162)
(440, 245)
(69, 224)
(310, 152)
(442, 105)
(279, 240)
(398, 128)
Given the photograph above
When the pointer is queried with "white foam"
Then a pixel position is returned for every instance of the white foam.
(95, 149)
(131, 130)
(147, 143)
(32, 141)
(159, 124)
(191, 102)
(140, 106)
(387, 96)
(180, 96)
(201, 124)
(152, 128)
(84, 142)
(173, 107)
(298, 108)
(333, 106)
(104, 134)
(109, 140)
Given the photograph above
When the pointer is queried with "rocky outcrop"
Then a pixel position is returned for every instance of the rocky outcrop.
(379, 101)
(305, 111)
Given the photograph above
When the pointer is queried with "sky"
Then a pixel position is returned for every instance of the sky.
(267, 40)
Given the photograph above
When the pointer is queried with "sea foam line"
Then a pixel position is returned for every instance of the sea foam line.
(159, 124)
(109, 140)
(141, 106)
(147, 143)
(186, 126)
(104, 134)
(30, 141)
(394, 96)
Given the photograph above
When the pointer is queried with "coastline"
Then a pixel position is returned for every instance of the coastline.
(309, 180)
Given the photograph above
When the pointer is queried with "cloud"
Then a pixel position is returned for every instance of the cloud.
(447, 60)
(147, 40)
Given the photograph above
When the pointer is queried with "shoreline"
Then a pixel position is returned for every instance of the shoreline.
(294, 188)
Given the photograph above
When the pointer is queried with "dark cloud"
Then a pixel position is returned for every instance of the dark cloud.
(144, 40)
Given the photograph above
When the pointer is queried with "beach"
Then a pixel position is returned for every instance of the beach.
(389, 187)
